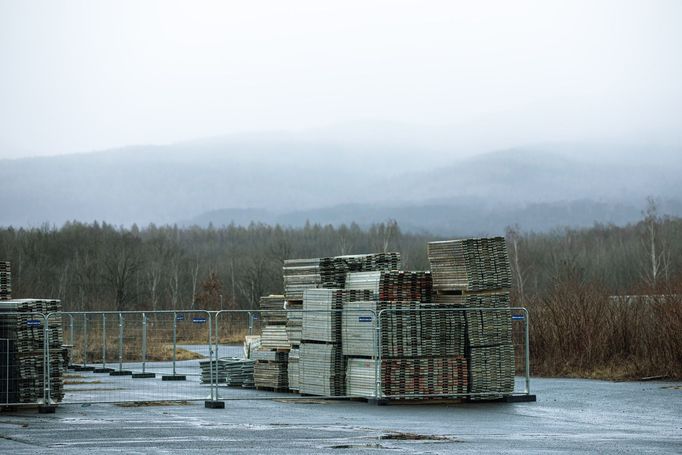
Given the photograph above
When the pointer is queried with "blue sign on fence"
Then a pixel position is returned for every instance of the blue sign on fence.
(199, 320)
(179, 317)
(33, 323)
(518, 317)
(364, 318)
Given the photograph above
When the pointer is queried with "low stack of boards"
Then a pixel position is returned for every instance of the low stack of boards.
(231, 371)
(22, 331)
(5, 280)
(270, 369)
(476, 273)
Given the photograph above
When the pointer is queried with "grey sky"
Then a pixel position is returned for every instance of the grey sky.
(84, 75)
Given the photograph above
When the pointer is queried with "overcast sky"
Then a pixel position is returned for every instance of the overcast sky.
(86, 75)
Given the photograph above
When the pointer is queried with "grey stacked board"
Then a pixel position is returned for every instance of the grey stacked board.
(294, 369)
(407, 329)
(322, 369)
(491, 371)
(274, 337)
(272, 310)
(393, 285)
(322, 315)
(22, 325)
(270, 370)
(330, 272)
(230, 371)
(408, 378)
(294, 325)
(491, 325)
(473, 265)
(5, 280)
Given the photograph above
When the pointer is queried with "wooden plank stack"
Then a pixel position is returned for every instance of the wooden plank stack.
(294, 325)
(475, 273)
(5, 280)
(270, 370)
(22, 325)
(394, 285)
(294, 369)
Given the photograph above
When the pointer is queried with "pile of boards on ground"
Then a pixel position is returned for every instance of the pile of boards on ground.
(475, 275)
(23, 365)
(230, 371)
(5, 280)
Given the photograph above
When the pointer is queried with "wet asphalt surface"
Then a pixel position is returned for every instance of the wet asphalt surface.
(570, 416)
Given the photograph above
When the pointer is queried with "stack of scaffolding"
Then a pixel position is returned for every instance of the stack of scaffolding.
(230, 371)
(22, 329)
(294, 368)
(5, 280)
(321, 364)
(330, 272)
(475, 273)
(393, 285)
(270, 370)
(419, 349)
(294, 325)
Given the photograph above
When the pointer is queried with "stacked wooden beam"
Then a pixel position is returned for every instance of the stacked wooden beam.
(470, 264)
(5, 280)
(23, 326)
(476, 275)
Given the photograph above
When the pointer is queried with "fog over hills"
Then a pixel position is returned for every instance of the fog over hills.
(291, 179)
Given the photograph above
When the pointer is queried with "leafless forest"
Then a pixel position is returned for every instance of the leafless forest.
(565, 277)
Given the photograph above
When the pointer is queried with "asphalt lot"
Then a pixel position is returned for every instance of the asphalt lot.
(570, 416)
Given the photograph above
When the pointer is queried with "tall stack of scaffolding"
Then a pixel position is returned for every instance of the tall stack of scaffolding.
(270, 369)
(22, 331)
(5, 280)
(476, 274)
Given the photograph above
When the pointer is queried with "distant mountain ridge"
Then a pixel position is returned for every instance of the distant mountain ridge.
(288, 181)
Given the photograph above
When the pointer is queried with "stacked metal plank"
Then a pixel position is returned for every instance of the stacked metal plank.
(474, 265)
(330, 272)
(394, 285)
(230, 371)
(294, 368)
(321, 364)
(408, 378)
(294, 325)
(475, 274)
(5, 280)
(270, 370)
(22, 328)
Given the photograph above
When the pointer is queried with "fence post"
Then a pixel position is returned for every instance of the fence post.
(526, 355)
(104, 368)
(377, 365)
(121, 371)
(46, 407)
(250, 323)
(213, 403)
(85, 341)
(174, 376)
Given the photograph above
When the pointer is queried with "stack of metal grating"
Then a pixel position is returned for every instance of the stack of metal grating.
(421, 347)
(395, 285)
(475, 273)
(321, 364)
(473, 265)
(22, 329)
(231, 371)
(330, 272)
(5, 280)
(294, 324)
(294, 368)
(270, 370)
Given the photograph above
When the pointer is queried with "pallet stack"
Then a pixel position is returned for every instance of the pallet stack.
(23, 331)
(394, 285)
(5, 280)
(231, 371)
(270, 369)
(475, 273)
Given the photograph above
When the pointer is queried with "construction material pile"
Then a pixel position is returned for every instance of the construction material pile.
(5, 280)
(395, 285)
(475, 275)
(470, 264)
(230, 371)
(23, 331)
(330, 272)
(294, 368)
(294, 325)
(270, 369)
